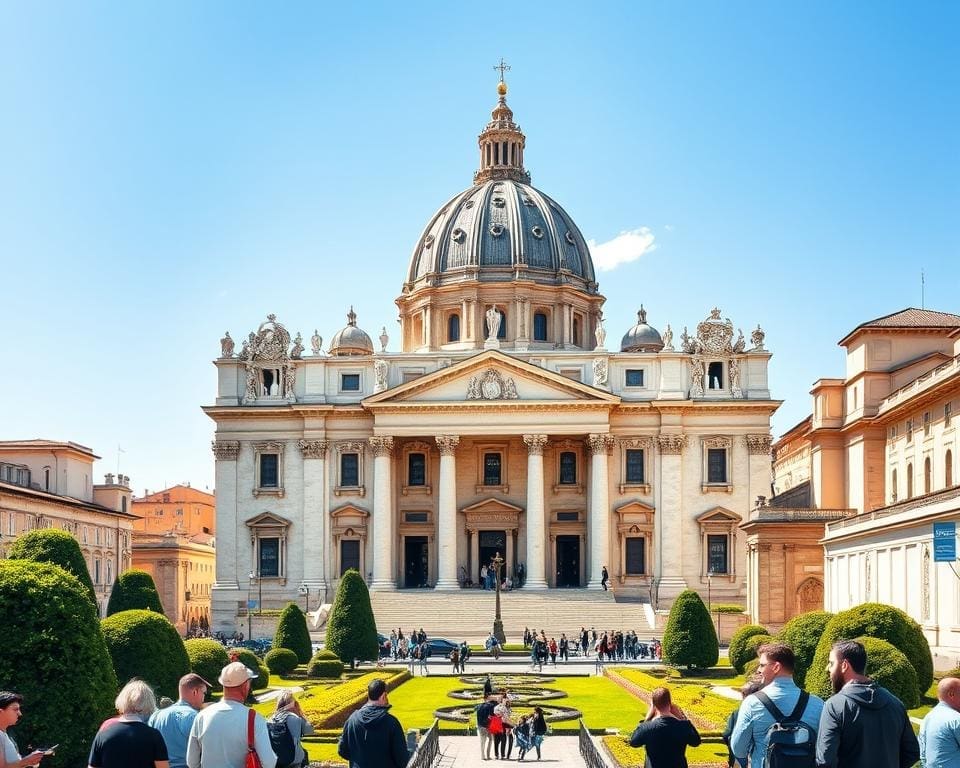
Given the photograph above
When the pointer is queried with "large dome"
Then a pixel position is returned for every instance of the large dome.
(498, 230)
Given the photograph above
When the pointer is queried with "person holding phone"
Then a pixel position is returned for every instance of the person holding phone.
(9, 715)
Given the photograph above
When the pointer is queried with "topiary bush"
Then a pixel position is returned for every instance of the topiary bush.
(252, 661)
(207, 658)
(281, 661)
(754, 642)
(56, 659)
(891, 669)
(51, 545)
(145, 644)
(872, 620)
(690, 639)
(737, 651)
(134, 590)
(750, 669)
(325, 664)
(351, 629)
(802, 633)
(292, 633)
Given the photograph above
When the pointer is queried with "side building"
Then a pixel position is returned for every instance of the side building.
(49, 484)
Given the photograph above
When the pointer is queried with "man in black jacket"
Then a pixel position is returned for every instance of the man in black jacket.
(666, 733)
(372, 737)
(484, 711)
(863, 725)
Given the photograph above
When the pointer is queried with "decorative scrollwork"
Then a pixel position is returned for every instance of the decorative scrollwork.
(672, 443)
(225, 450)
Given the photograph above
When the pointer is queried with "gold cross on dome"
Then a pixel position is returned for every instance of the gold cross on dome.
(503, 67)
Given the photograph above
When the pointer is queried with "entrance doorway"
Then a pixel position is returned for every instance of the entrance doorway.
(490, 543)
(349, 555)
(415, 558)
(568, 561)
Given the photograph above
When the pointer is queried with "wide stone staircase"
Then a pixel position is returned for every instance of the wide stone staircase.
(467, 614)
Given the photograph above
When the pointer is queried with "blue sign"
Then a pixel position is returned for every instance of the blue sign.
(251, 604)
(944, 542)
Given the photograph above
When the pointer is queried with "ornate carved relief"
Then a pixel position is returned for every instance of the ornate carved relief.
(313, 449)
(297, 352)
(447, 444)
(735, 391)
(717, 442)
(225, 450)
(696, 376)
(758, 445)
(267, 446)
(600, 371)
(491, 385)
(672, 444)
(535, 444)
(636, 442)
(418, 445)
(381, 445)
(602, 443)
(380, 370)
(351, 446)
(270, 342)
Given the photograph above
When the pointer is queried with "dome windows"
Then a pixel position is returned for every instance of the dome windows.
(496, 230)
(428, 241)
(458, 235)
(569, 238)
(453, 327)
(537, 232)
(539, 326)
(499, 202)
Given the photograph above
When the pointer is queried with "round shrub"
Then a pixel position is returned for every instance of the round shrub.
(51, 545)
(872, 620)
(325, 664)
(891, 669)
(207, 658)
(281, 661)
(351, 629)
(251, 661)
(802, 633)
(134, 590)
(690, 639)
(55, 658)
(145, 644)
(753, 644)
(737, 650)
(292, 633)
(750, 668)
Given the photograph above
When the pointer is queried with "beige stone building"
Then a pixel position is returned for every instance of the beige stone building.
(504, 423)
(49, 484)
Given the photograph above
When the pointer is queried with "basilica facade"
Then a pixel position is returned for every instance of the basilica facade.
(504, 424)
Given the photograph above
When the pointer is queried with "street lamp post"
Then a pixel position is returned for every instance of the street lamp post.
(250, 577)
(497, 564)
(304, 590)
(710, 601)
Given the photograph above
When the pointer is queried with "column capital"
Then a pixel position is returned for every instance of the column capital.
(225, 450)
(758, 445)
(313, 449)
(381, 445)
(600, 443)
(447, 444)
(672, 443)
(535, 444)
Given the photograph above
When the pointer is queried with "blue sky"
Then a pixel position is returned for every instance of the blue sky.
(173, 170)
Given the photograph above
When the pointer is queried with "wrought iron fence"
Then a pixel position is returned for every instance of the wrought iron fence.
(427, 748)
(588, 750)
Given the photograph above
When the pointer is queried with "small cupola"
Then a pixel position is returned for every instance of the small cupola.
(642, 337)
(502, 142)
(351, 340)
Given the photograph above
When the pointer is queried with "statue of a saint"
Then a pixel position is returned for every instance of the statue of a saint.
(668, 339)
(226, 345)
(600, 333)
(297, 352)
(315, 342)
(757, 338)
(493, 323)
(735, 390)
(697, 389)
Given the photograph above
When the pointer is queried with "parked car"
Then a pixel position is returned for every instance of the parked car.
(440, 646)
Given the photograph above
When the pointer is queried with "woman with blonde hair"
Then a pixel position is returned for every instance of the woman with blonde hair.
(288, 713)
(128, 742)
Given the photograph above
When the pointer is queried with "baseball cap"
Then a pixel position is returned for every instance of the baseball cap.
(235, 674)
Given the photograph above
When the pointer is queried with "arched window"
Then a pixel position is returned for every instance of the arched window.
(909, 481)
(927, 472)
(453, 327)
(893, 487)
(948, 469)
(539, 326)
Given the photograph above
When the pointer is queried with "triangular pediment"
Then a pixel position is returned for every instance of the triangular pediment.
(268, 520)
(719, 515)
(494, 379)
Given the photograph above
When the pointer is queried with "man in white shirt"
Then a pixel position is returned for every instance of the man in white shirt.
(218, 738)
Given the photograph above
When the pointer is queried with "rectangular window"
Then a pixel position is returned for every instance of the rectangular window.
(568, 468)
(636, 552)
(415, 517)
(492, 469)
(568, 517)
(635, 466)
(715, 376)
(350, 382)
(96, 571)
(926, 424)
(635, 378)
(947, 413)
(350, 469)
(717, 553)
(269, 557)
(269, 464)
(716, 465)
(909, 430)
(539, 327)
(417, 469)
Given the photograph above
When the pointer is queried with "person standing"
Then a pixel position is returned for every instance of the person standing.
(9, 715)
(423, 653)
(940, 730)
(455, 659)
(553, 651)
(174, 722)
(665, 733)
(564, 648)
(130, 742)
(584, 642)
(484, 713)
(221, 734)
(289, 714)
(604, 577)
(372, 737)
(538, 729)
(863, 725)
(747, 689)
(483, 577)
(505, 713)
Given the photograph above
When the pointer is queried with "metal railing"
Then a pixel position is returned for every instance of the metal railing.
(588, 750)
(427, 748)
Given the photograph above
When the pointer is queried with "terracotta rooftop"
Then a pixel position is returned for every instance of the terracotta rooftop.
(177, 494)
(911, 317)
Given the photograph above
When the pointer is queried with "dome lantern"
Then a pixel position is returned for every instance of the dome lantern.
(502, 142)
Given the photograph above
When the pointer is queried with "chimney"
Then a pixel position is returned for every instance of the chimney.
(108, 478)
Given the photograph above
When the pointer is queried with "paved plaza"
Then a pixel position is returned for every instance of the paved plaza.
(464, 752)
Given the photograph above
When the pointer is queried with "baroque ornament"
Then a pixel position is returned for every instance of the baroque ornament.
(380, 370)
(491, 385)
(758, 445)
(226, 345)
(535, 444)
(600, 443)
(313, 449)
(447, 444)
(381, 445)
(599, 371)
(672, 443)
(225, 450)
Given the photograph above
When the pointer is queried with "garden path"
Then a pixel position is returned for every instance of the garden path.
(464, 752)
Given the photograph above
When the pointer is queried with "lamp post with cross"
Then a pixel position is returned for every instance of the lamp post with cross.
(250, 577)
(497, 563)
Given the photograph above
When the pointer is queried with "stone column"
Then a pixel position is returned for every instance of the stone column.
(447, 513)
(382, 448)
(314, 533)
(536, 526)
(473, 571)
(600, 446)
(226, 452)
(670, 517)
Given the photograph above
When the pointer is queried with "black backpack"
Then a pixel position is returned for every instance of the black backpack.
(791, 743)
(281, 740)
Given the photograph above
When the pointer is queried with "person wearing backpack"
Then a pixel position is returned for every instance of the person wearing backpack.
(863, 725)
(287, 726)
(665, 733)
(777, 726)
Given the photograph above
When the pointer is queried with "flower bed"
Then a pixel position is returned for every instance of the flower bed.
(331, 708)
(707, 711)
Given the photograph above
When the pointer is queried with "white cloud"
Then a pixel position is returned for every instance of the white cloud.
(626, 247)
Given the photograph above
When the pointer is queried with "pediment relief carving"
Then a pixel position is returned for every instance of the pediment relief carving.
(349, 510)
(491, 385)
(720, 515)
(267, 520)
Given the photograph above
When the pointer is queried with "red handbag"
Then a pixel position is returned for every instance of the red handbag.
(253, 759)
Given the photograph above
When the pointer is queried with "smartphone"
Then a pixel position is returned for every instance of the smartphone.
(48, 750)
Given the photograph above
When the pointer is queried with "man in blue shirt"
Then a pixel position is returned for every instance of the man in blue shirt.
(776, 665)
(174, 722)
(940, 730)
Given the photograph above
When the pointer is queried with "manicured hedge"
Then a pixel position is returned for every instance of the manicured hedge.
(332, 707)
(51, 545)
(690, 639)
(252, 661)
(802, 633)
(56, 658)
(351, 629)
(891, 669)
(207, 659)
(281, 661)
(737, 651)
(325, 664)
(292, 633)
(134, 590)
(145, 644)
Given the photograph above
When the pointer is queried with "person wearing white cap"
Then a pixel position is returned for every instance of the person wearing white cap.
(223, 733)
